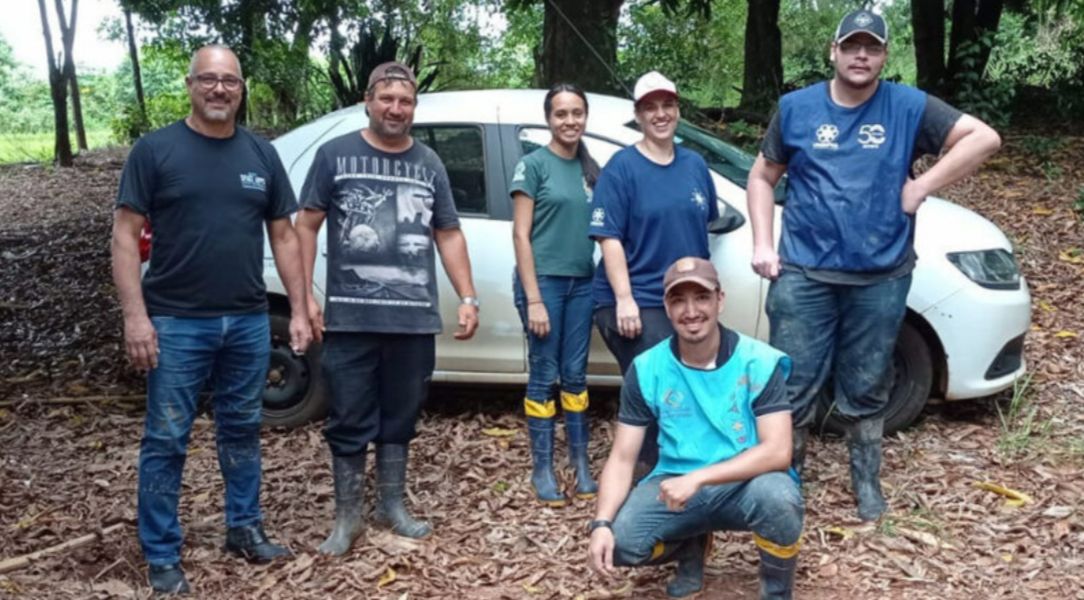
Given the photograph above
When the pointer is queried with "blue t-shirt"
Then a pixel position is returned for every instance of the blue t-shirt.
(207, 200)
(846, 168)
(659, 213)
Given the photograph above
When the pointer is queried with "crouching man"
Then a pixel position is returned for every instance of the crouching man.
(719, 400)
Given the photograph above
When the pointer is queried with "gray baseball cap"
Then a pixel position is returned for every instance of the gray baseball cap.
(862, 21)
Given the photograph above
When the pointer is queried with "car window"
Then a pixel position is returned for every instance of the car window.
(724, 159)
(461, 149)
(532, 138)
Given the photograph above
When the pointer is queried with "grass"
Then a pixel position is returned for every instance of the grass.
(38, 147)
(1020, 427)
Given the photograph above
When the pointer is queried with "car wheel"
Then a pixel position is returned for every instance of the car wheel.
(912, 376)
(294, 394)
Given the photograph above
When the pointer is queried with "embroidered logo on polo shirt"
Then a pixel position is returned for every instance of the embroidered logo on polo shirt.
(871, 135)
(826, 137)
(521, 172)
(252, 181)
(598, 217)
(700, 200)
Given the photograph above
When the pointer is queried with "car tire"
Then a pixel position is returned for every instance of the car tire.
(295, 393)
(912, 375)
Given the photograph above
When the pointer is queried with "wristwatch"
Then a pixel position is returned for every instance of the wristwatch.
(472, 301)
(608, 524)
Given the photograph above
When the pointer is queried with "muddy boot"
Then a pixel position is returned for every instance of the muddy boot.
(349, 476)
(578, 431)
(391, 464)
(691, 555)
(797, 457)
(542, 478)
(776, 576)
(168, 579)
(864, 443)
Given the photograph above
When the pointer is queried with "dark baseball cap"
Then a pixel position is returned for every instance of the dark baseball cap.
(391, 71)
(862, 21)
(691, 269)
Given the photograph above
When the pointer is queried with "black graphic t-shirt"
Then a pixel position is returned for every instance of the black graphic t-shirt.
(207, 200)
(381, 211)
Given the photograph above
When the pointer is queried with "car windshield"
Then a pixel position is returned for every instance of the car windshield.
(723, 158)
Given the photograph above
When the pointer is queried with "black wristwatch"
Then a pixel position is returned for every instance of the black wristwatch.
(608, 524)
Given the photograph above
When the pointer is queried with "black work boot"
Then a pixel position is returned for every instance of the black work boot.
(797, 457)
(391, 464)
(251, 543)
(864, 443)
(168, 579)
(776, 576)
(348, 473)
(691, 558)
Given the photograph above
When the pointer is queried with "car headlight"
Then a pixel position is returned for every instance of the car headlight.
(995, 269)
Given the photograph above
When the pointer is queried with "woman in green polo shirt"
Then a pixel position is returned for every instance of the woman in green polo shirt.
(552, 284)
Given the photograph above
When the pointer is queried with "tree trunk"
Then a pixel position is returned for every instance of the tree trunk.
(928, 24)
(762, 83)
(579, 44)
(970, 20)
(58, 91)
(67, 37)
(133, 56)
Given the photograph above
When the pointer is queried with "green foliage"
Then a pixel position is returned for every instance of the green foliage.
(1042, 149)
(991, 101)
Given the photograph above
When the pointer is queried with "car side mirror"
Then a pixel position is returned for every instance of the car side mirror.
(730, 220)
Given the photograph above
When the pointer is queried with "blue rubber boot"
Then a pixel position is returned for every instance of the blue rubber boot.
(776, 576)
(578, 431)
(691, 555)
(542, 478)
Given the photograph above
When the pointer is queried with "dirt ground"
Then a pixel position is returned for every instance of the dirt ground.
(70, 425)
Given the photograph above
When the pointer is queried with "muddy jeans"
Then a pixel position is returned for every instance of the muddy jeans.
(847, 332)
(769, 505)
(232, 352)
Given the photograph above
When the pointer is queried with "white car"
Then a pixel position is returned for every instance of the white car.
(968, 309)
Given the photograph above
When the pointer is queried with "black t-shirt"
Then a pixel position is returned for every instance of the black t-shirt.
(937, 121)
(634, 411)
(207, 200)
(381, 211)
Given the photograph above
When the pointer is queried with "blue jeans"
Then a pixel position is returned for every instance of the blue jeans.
(232, 352)
(563, 353)
(769, 505)
(847, 332)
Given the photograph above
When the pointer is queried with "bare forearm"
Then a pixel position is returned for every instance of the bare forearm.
(453, 255)
(528, 277)
(286, 249)
(126, 275)
(961, 160)
(617, 267)
(614, 485)
(760, 459)
(761, 200)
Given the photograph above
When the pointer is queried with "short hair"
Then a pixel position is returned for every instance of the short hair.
(195, 58)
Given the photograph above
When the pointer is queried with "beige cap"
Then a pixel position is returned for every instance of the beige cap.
(652, 82)
(691, 268)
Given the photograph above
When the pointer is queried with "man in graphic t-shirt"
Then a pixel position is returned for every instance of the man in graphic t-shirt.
(386, 199)
(843, 269)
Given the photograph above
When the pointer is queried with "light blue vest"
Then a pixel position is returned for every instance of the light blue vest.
(705, 417)
(845, 170)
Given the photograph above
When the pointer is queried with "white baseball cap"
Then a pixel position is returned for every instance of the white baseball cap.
(652, 82)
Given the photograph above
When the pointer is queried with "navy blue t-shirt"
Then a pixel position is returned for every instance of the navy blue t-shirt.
(659, 213)
(207, 200)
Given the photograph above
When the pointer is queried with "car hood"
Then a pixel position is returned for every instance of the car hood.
(947, 227)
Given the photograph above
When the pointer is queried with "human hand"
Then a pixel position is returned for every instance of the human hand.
(766, 262)
(912, 196)
(141, 342)
(300, 332)
(600, 550)
(675, 492)
(468, 321)
(538, 319)
(628, 318)
(316, 319)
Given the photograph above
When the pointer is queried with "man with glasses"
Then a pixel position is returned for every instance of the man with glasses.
(200, 313)
(842, 272)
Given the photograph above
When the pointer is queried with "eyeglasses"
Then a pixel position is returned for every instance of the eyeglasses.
(851, 48)
(208, 82)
